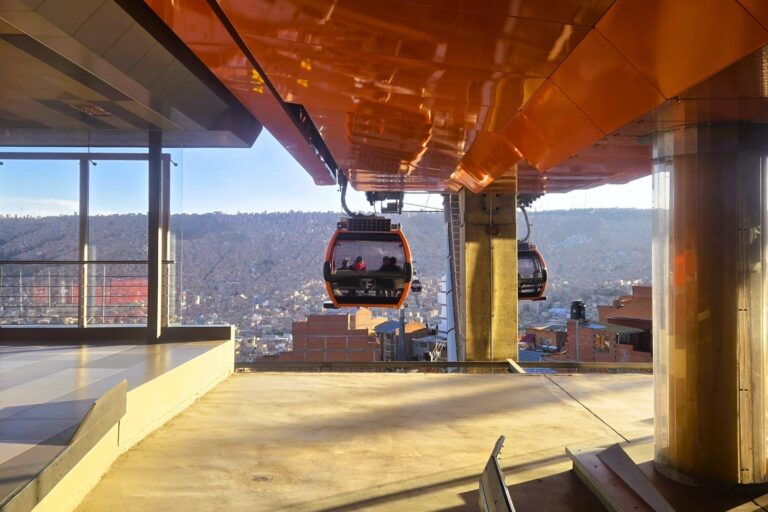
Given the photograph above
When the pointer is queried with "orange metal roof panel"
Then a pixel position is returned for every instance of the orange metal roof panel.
(758, 9)
(410, 90)
(604, 85)
(489, 157)
(563, 127)
(431, 93)
(524, 135)
(201, 30)
(672, 43)
(574, 12)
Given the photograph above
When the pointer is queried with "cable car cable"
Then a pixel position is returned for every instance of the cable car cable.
(527, 224)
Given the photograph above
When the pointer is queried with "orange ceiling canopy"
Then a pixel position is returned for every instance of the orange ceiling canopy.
(434, 95)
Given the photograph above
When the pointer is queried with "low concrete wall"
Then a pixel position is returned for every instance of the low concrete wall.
(149, 406)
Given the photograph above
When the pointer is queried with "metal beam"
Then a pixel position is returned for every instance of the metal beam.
(292, 366)
(155, 238)
(166, 242)
(84, 200)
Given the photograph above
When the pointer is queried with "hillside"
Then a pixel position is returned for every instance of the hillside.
(229, 263)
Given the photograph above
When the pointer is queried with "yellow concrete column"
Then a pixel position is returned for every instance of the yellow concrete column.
(489, 266)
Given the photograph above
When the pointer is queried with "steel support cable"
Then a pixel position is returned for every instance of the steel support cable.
(343, 182)
(527, 224)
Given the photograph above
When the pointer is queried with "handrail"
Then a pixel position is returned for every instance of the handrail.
(393, 365)
(79, 262)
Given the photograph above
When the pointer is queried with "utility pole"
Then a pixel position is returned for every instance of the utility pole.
(401, 337)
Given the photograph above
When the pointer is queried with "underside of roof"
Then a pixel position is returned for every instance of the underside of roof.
(532, 96)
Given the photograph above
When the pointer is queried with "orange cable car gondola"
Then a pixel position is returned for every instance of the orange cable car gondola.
(368, 264)
(531, 273)
(368, 261)
(531, 269)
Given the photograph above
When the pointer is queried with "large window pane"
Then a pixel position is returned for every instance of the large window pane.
(38, 221)
(38, 210)
(117, 292)
(118, 210)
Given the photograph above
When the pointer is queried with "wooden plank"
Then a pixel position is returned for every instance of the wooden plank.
(607, 486)
(514, 367)
(618, 460)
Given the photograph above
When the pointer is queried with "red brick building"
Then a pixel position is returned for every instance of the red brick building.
(602, 342)
(634, 310)
(335, 338)
(547, 337)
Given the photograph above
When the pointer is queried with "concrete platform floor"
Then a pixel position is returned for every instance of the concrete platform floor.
(375, 441)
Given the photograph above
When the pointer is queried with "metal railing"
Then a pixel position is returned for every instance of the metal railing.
(444, 366)
(36, 292)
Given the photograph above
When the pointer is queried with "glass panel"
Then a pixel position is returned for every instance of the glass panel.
(381, 256)
(173, 267)
(661, 279)
(39, 204)
(528, 267)
(38, 210)
(118, 210)
(117, 292)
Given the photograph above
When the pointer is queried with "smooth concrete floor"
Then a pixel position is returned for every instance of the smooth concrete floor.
(372, 441)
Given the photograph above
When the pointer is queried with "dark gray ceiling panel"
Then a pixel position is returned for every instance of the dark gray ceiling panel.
(104, 72)
(68, 15)
(104, 28)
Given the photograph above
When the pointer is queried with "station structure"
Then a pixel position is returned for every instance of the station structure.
(482, 101)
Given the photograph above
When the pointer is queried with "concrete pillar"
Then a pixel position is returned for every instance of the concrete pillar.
(489, 266)
(710, 297)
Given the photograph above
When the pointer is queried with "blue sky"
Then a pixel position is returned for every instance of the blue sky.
(262, 178)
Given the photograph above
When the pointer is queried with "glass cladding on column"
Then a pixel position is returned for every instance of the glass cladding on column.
(710, 302)
(661, 279)
(752, 310)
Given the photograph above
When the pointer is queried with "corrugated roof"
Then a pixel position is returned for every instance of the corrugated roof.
(618, 329)
(431, 338)
(388, 327)
(528, 356)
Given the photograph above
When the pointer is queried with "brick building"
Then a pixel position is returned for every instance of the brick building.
(324, 338)
(602, 342)
(388, 334)
(634, 310)
(551, 338)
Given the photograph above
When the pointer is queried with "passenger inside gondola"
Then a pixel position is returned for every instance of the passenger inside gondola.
(359, 264)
